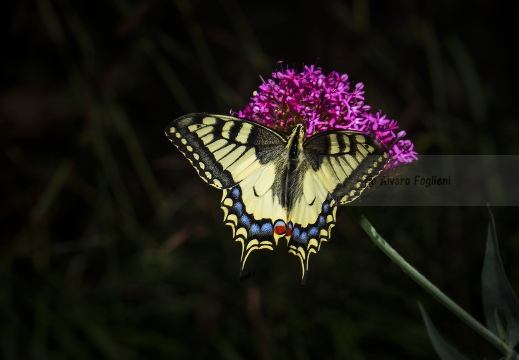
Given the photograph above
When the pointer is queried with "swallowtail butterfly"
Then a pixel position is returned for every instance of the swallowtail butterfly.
(274, 186)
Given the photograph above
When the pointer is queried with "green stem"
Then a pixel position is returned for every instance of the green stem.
(433, 290)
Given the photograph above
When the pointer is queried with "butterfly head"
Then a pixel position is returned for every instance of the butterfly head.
(299, 132)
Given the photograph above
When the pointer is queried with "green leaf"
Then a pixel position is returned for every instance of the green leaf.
(444, 350)
(500, 303)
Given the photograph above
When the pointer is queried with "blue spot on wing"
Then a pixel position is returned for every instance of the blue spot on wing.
(245, 220)
(238, 208)
(236, 193)
(313, 231)
(254, 229)
(296, 234)
(301, 236)
(267, 229)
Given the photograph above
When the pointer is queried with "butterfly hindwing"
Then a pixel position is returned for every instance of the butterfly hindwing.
(306, 236)
(252, 231)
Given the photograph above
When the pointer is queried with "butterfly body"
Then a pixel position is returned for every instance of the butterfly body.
(275, 187)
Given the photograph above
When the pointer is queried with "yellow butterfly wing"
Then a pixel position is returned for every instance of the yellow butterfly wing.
(245, 160)
(334, 169)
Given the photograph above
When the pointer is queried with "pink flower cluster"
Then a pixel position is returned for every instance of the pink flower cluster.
(323, 102)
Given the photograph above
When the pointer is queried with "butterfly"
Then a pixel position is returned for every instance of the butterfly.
(274, 186)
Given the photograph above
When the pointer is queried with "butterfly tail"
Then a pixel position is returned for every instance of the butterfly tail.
(303, 253)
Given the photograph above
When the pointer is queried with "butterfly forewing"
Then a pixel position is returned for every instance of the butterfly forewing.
(224, 149)
(345, 162)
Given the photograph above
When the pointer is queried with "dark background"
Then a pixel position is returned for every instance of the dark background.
(111, 246)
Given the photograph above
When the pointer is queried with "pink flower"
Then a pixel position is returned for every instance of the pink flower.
(323, 102)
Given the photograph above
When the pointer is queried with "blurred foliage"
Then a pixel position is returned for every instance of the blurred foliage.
(112, 247)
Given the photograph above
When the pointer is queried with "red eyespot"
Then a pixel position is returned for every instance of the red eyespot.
(289, 232)
(280, 229)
